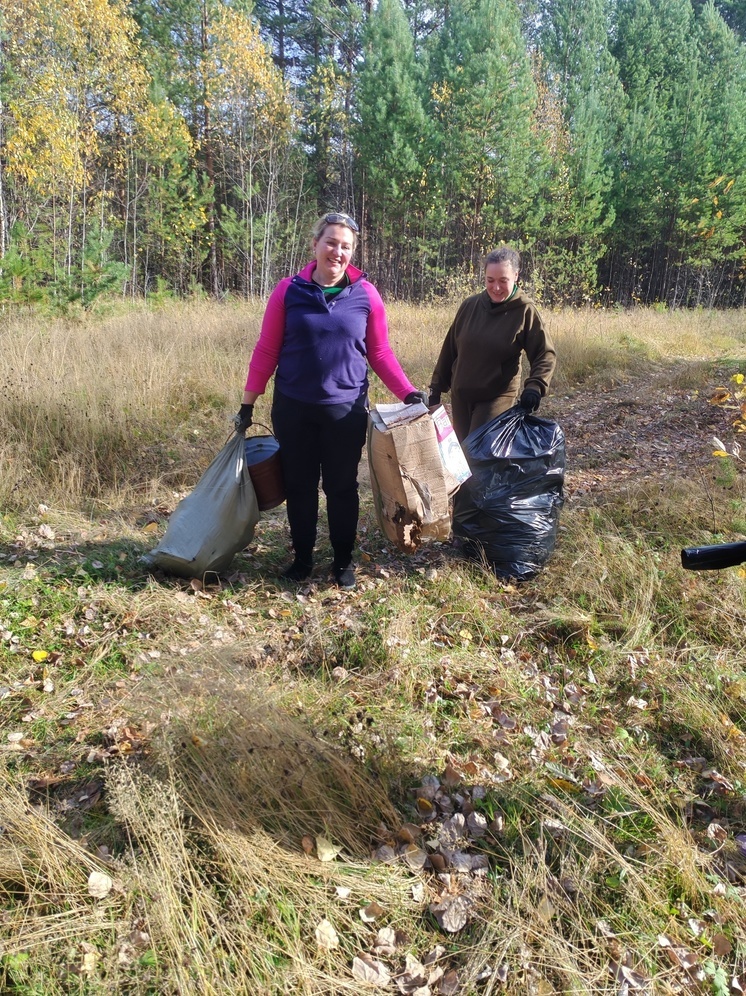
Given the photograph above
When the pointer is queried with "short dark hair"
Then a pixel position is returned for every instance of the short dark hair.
(504, 255)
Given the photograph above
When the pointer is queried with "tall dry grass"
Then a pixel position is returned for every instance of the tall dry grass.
(216, 884)
(593, 345)
(104, 409)
(322, 713)
(220, 881)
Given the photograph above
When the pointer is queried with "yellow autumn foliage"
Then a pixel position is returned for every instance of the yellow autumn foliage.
(249, 100)
(80, 77)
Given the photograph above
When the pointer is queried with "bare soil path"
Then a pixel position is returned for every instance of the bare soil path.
(648, 428)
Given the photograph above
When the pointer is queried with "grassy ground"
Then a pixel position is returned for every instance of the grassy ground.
(439, 783)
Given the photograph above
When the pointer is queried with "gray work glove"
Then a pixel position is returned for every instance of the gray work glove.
(414, 396)
(244, 419)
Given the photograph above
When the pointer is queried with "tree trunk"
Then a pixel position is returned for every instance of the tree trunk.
(209, 165)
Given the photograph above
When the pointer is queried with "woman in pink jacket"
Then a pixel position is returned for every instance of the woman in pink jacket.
(321, 330)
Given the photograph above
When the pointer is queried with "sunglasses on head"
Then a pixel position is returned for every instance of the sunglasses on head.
(341, 219)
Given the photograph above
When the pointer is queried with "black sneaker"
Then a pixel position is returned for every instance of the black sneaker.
(345, 577)
(299, 570)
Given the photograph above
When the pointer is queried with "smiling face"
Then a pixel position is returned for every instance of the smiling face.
(333, 252)
(499, 281)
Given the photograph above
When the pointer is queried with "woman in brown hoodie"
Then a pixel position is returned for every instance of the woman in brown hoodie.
(480, 360)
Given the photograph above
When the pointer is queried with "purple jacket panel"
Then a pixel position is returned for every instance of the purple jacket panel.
(323, 356)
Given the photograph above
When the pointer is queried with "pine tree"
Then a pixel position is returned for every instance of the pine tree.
(318, 45)
(581, 77)
(484, 154)
(733, 13)
(712, 218)
(662, 142)
(426, 19)
(331, 40)
(390, 146)
(280, 20)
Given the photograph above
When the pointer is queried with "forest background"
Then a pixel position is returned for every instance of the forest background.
(167, 147)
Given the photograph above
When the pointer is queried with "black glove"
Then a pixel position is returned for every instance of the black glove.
(530, 399)
(434, 399)
(244, 419)
(414, 396)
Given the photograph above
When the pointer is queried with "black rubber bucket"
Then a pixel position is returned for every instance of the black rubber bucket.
(263, 463)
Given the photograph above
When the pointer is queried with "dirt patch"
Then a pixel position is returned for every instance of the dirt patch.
(643, 429)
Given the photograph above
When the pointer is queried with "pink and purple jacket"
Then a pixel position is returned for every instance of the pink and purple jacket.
(321, 347)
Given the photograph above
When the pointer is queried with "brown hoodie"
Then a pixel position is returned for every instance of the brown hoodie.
(481, 355)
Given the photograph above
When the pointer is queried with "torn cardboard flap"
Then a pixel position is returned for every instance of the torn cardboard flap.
(399, 414)
(410, 484)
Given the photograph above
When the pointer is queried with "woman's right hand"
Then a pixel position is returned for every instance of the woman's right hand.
(244, 418)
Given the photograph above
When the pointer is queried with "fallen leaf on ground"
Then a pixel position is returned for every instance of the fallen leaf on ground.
(637, 703)
(90, 960)
(452, 913)
(99, 885)
(370, 970)
(545, 909)
(371, 912)
(414, 857)
(325, 850)
(626, 975)
(449, 984)
(327, 937)
(721, 945)
(385, 942)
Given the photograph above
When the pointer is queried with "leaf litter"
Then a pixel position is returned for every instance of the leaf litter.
(446, 852)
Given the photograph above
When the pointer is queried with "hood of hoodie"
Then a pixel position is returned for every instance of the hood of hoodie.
(518, 300)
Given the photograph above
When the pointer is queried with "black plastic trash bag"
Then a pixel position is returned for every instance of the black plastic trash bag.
(214, 522)
(508, 510)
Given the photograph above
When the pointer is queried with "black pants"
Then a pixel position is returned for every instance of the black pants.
(321, 442)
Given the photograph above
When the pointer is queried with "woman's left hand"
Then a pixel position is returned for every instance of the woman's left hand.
(530, 400)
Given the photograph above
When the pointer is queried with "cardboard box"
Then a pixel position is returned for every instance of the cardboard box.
(411, 486)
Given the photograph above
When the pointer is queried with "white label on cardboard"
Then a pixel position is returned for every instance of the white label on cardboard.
(451, 453)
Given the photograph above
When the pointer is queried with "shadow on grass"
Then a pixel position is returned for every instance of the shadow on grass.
(110, 561)
(243, 760)
(114, 560)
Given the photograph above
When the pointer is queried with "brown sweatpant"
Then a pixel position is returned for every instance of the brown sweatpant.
(467, 416)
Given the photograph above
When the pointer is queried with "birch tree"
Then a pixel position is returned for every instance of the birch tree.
(252, 121)
(77, 89)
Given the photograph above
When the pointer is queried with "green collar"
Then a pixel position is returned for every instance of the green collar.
(498, 304)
